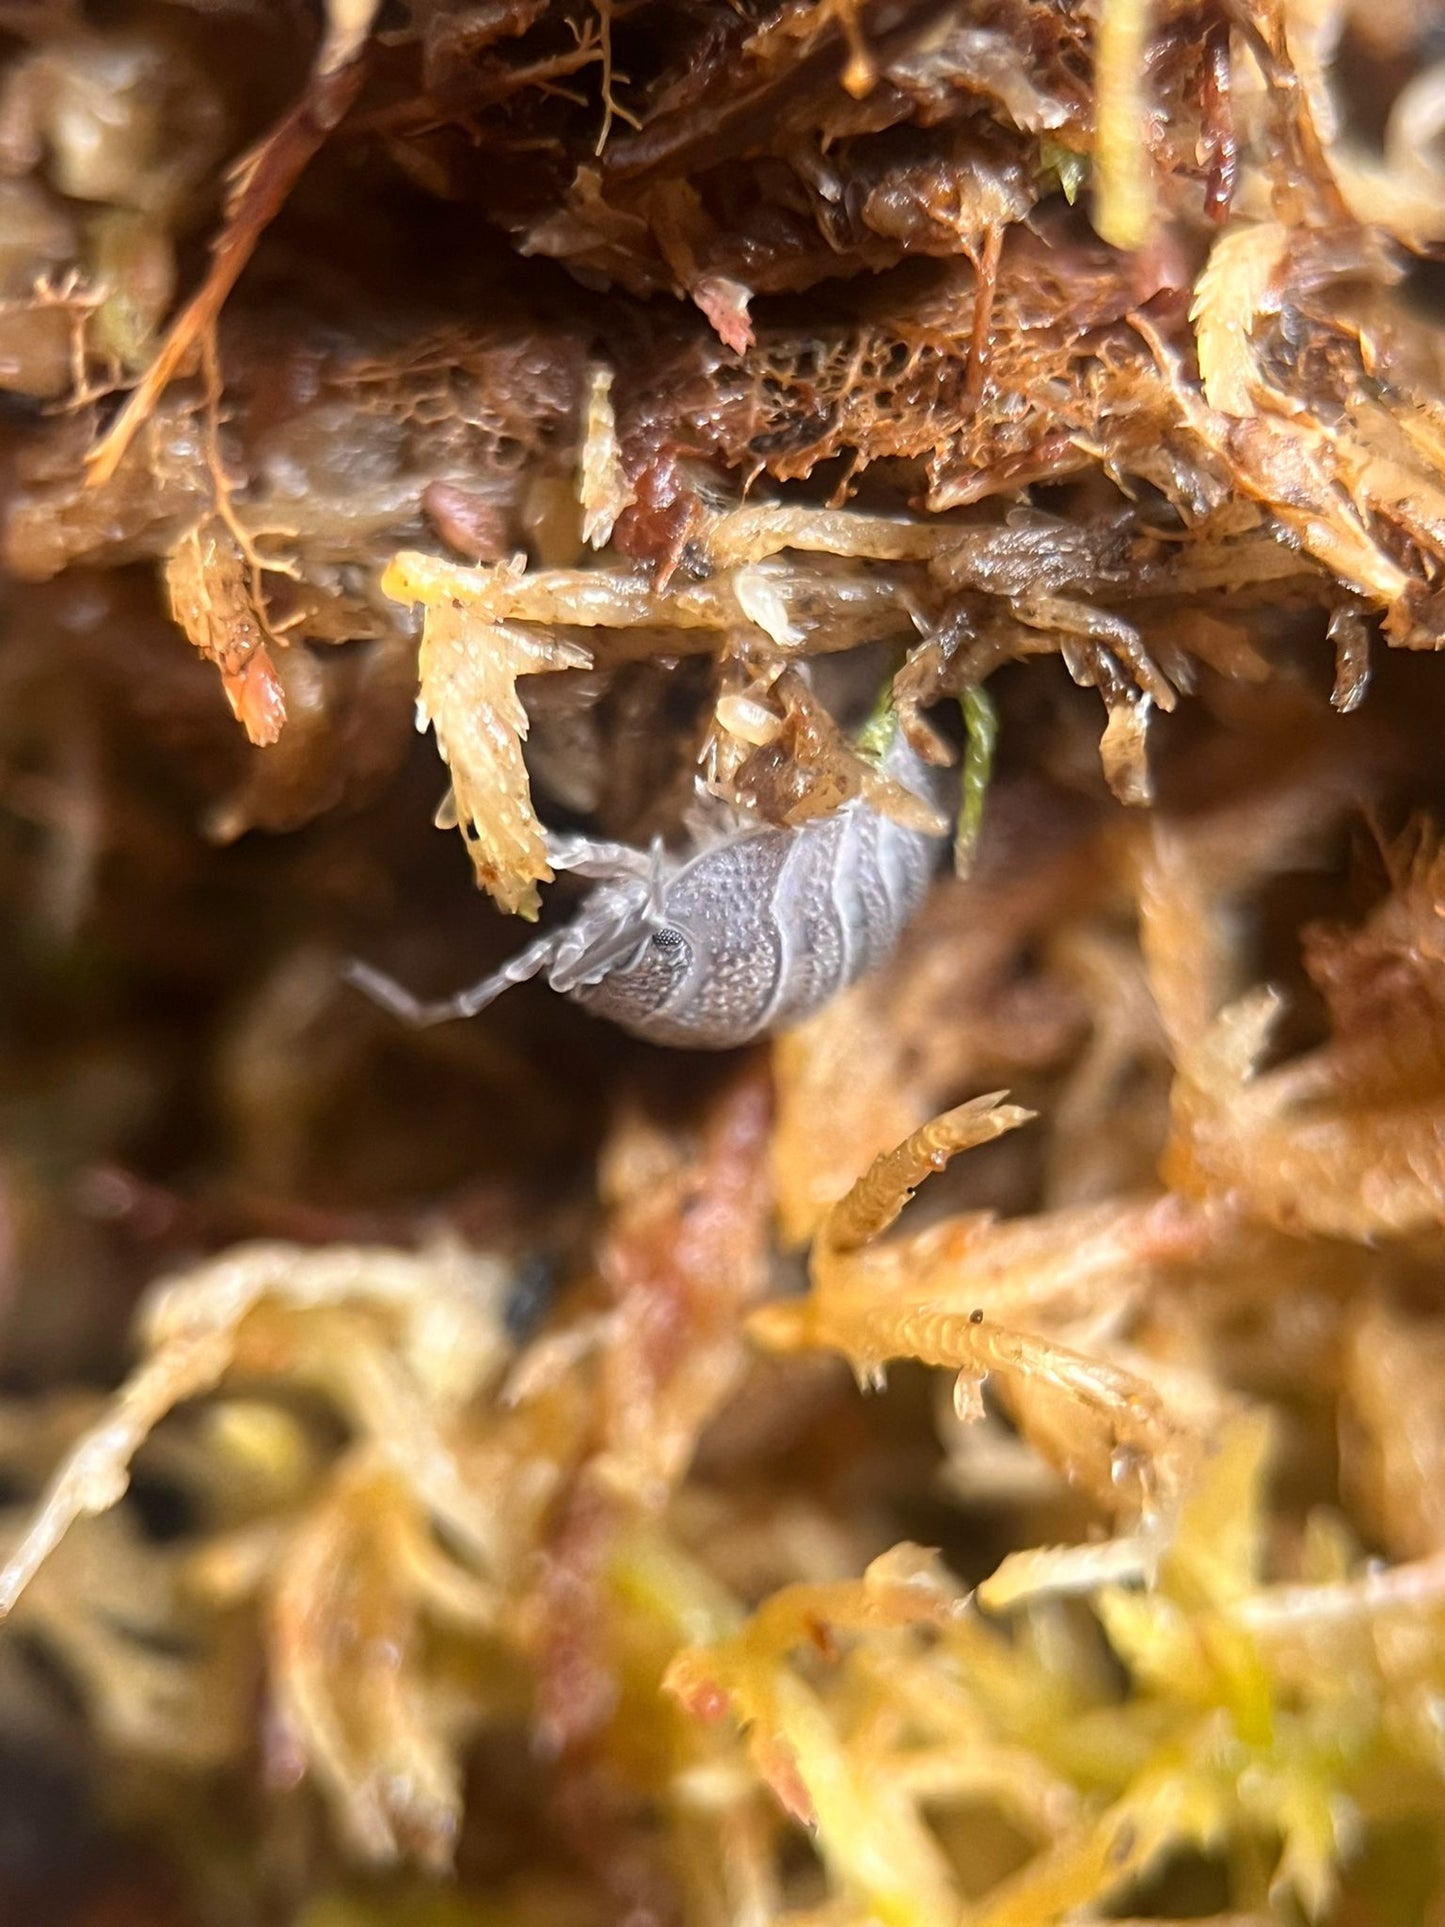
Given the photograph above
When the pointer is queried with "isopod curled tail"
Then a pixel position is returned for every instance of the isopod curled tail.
(742, 937)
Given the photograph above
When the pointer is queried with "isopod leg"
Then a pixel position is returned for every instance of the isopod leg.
(656, 874)
(592, 857)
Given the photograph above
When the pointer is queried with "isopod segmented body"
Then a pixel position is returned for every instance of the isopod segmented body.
(747, 935)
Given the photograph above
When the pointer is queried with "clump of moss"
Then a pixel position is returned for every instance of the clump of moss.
(559, 1480)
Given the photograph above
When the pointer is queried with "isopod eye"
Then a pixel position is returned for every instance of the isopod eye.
(668, 941)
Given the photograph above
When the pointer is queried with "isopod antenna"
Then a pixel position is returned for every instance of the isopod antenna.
(395, 998)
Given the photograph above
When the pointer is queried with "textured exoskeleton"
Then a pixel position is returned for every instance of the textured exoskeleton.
(749, 934)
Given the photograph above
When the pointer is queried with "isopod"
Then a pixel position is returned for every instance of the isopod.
(742, 937)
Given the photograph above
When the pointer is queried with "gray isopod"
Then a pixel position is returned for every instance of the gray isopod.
(747, 935)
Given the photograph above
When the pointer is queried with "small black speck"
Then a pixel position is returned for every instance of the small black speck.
(975, 1318)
